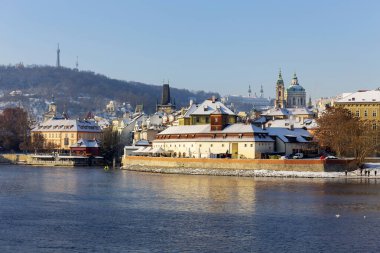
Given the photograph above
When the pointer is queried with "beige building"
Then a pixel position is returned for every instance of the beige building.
(62, 133)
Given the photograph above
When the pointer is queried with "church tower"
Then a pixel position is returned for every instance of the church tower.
(280, 92)
(261, 92)
(249, 91)
(58, 60)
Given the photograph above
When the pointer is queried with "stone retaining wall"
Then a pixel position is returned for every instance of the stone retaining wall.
(13, 158)
(204, 164)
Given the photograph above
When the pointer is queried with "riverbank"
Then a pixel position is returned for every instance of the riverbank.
(241, 167)
(253, 173)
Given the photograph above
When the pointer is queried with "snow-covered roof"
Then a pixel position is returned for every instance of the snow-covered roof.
(287, 135)
(86, 143)
(197, 129)
(362, 96)
(308, 123)
(142, 143)
(68, 125)
(209, 106)
(190, 110)
(287, 111)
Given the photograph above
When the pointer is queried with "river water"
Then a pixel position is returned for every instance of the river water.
(90, 210)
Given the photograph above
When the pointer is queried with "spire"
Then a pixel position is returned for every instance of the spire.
(58, 59)
(261, 92)
(249, 91)
(280, 80)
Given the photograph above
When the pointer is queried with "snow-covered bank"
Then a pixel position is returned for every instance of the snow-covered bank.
(248, 173)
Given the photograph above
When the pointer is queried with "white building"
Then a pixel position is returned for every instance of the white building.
(236, 141)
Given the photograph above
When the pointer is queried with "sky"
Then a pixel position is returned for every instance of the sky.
(212, 45)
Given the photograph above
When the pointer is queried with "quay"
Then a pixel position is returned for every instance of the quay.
(238, 167)
(50, 160)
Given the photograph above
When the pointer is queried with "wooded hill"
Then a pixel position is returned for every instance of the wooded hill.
(83, 91)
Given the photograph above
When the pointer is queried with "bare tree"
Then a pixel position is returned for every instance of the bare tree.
(345, 134)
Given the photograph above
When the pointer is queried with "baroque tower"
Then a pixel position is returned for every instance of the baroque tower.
(280, 92)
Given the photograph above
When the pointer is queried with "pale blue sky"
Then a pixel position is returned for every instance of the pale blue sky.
(211, 45)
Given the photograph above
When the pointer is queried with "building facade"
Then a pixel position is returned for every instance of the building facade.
(60, 134)
(364, 104)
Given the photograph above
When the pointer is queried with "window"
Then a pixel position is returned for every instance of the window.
(374, 126)
(357, 113)
(365, 113)
(245, 145)
(251, 145)
(211, 145)
(374, 113)
(222, 145)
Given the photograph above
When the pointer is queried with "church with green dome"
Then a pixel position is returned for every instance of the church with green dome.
(293, 97)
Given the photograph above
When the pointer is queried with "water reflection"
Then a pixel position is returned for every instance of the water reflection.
(198, 193)
(90, 210)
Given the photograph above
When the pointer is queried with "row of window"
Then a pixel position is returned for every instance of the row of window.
(357, 113)
(211, 145)
(55, 135)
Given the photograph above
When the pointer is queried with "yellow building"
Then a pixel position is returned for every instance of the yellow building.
(363, 104)
(62, 133)
(199, 114)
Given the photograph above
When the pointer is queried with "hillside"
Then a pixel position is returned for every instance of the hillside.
(80, 91)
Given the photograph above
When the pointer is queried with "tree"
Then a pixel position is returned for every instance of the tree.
(345, 134)
(14, 128)
(37, 142)
(110, 144)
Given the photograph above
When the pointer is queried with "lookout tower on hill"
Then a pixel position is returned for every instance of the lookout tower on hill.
(58, 65)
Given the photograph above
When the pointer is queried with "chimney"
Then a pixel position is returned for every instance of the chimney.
(291, 127)
(213, 99)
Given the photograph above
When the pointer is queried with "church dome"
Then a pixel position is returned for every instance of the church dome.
(295, 88)
(294, 85)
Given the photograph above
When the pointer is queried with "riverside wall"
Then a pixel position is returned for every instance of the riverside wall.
(13, 158)
(227, 166)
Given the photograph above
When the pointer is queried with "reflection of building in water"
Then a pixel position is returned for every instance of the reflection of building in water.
(205, 194)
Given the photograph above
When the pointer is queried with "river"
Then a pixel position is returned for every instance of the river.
(91, 210)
